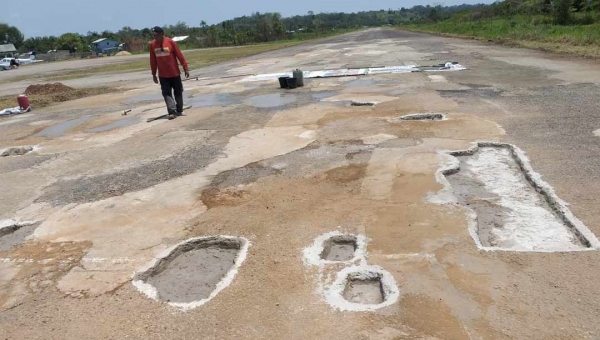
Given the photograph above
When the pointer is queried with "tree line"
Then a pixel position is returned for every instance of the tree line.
(557, 12)
(255, 28)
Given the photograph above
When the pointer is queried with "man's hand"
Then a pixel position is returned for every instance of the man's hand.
(155, 78)
(187, 74)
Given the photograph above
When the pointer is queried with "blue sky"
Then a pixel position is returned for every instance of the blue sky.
(82, 16)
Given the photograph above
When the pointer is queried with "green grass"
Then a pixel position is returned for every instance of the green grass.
(196, 59)
(527, 31)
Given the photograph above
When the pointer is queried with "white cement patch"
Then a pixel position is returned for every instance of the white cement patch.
(334, 294)
(529, 226)
(597, 132)
(151, 292)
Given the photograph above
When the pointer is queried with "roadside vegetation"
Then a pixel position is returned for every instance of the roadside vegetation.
(256, 28)
(565, 26)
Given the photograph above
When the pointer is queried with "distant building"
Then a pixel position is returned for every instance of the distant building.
(104, 45)
(7, 50)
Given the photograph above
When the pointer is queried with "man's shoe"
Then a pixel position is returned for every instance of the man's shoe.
(171, 116)
(179, 114)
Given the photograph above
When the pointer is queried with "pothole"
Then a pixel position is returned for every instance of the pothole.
(361, 103)
(16, 151)
(193, 272)
(511, 207)
(339, 248)
(366, 291)
(363, 288)
(336, 247)
(424, 116)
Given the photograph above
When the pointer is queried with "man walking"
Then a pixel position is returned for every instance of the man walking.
(164, 54)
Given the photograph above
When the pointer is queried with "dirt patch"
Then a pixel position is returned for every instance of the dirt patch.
(366, 292)
(346, 174)
(193, 270)
(44, 89)
(339, 248)
(215, 197)
(45, 94)
(16, 151)
(40, 266)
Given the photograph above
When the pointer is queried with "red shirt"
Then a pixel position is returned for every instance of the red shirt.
(165, 59)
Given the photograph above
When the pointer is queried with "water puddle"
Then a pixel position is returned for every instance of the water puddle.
(150, 97)
(216, 99)
(510, 213)
(271, 100)
(116, 124)
(322, 95)
(59, 129)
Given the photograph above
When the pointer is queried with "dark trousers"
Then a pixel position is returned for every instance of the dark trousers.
(170, 86)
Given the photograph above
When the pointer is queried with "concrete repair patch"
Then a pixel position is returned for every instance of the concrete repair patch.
(510, 207)
(597, 132)
(336, 247)
(362, 289)
(193, 272)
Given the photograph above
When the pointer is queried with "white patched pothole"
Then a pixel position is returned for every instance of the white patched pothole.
(362, 289)
(320, 252)
(597, 132)
(509, 206)
(357, 286)
(193, 272)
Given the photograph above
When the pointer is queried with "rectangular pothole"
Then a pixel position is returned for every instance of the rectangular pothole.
(511, 213)
(339, 248)
(366, 292)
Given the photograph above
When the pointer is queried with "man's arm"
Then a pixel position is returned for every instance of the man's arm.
(181, 59)
(153, 64)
